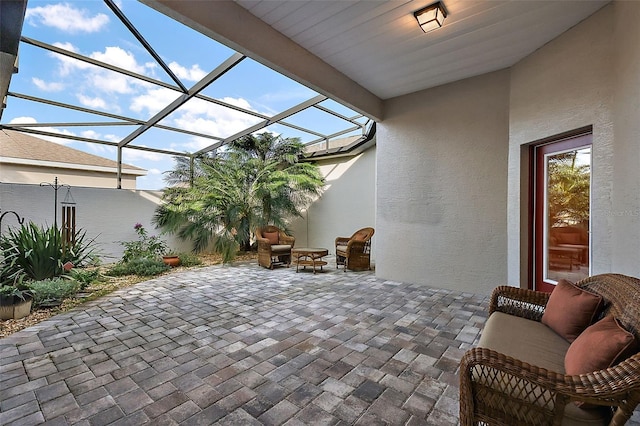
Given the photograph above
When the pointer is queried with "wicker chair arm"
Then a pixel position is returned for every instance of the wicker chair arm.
(342, 240)
(287, 239)
(518, 301)
(264, 244)
(617, 386)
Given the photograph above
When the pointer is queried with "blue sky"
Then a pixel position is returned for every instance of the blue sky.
(91, 29)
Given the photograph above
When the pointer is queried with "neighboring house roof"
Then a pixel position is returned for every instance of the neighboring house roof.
(20, 148)
(349, 146)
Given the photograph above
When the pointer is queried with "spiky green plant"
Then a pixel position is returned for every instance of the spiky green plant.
(38, 253)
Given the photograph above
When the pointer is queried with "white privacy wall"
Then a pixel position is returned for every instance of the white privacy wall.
(106, 214)
(346, 205)
(589, 76)
(442, 185)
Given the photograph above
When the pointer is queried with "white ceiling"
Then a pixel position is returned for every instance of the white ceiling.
(379, 45)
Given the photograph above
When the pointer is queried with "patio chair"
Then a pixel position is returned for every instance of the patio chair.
(274, 246)
(355, 252)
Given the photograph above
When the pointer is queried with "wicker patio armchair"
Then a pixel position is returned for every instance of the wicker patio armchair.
(274, 246)
(496, 389)
(355, 252)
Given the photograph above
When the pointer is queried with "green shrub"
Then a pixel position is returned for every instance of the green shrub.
(39, 253)
(150, 247)
(84, 277)
(189, 259)
(53, 291)
(141, 266)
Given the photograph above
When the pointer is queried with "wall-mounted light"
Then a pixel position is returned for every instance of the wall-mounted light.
(431, 17)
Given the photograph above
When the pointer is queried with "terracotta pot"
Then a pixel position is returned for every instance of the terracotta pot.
(172, 261)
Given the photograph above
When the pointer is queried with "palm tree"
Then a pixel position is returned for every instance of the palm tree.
(257, 180)
(186, 169)
(568, 190)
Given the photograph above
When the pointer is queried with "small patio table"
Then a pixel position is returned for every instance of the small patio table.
(307, 256)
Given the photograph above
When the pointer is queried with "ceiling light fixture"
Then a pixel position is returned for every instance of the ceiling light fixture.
(431, 17)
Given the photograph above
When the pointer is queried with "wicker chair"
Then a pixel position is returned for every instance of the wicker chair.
(497, 389)
(355, 252)
(274, 246)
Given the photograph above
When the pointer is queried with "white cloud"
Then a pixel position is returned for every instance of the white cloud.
(95, 103)
(91, 134)
(204, 117)
(239, 102)
(101, 79)
(195, 73)
(23, 120)
(116, 56)
(67, 64)
(112, 138)
(153, 100)
(47, 87)
(66, 18)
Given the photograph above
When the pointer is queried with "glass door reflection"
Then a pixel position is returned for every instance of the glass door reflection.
(567, 201)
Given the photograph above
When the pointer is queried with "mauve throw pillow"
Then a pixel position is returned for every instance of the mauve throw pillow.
(570, 310)
(600, 346)
(272, 237)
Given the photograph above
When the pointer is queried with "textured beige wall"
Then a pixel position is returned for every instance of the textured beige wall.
(625, 205)
(589, 76)
(442, 185)
(347, 204)
(22, 173)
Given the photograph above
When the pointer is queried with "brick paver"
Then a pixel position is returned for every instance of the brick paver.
(243, 345)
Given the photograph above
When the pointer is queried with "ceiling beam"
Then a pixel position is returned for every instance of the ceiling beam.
(234, 26)
(116, 10)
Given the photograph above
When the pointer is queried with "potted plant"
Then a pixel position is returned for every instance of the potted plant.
(171, 259)
(15, 303)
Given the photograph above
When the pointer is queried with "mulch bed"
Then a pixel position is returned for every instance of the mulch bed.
(99, 289)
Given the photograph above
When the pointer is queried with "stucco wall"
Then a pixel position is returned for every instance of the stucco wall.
(625, 209)
(106, 214)
(442, 185)
(346, 205)
(579, 80)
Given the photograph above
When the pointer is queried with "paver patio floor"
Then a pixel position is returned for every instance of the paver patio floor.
(243, 345)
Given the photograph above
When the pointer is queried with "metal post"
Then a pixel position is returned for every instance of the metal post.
(55, 187)
(119, 173)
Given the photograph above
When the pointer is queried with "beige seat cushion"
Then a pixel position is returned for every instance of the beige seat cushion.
(280, 248)
(528, 341)
(536, 344)
(341, 249)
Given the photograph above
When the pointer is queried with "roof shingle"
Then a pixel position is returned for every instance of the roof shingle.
(15, 144)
